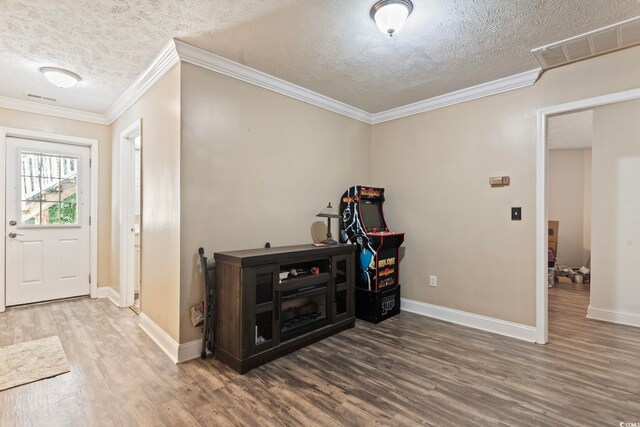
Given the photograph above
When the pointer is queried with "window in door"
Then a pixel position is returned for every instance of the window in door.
(49, 189)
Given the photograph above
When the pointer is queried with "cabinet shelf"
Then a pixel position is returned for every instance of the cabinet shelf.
(342, 287)
(304, 280)
(263, 308)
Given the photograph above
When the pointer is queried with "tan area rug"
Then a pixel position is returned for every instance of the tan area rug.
(31, 361)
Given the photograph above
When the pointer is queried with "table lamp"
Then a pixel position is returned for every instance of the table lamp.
(329, 212)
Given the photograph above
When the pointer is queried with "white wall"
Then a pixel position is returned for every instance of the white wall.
(586, 217)
(615, 280)
(567, 188)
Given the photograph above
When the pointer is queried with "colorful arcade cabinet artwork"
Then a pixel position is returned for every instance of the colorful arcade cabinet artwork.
(377, 259)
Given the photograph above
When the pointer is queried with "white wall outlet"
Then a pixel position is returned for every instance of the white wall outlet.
(433, 281)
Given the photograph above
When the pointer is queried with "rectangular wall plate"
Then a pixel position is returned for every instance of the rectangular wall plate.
(516, 214)
(499, 181)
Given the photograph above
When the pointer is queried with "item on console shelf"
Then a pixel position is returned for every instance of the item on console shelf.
(294, 272)
(377, 260)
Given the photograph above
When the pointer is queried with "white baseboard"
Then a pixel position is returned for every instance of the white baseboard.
(189, 350)
(160, 337)
(178, 353)
(614, 316)
(109, 292)
(489, 324)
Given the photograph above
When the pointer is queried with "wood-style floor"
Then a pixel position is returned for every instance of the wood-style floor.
(408, 370)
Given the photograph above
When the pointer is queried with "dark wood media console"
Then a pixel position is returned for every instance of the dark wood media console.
(260, 317)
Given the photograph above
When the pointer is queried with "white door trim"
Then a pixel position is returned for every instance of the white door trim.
(542, 152)
(125, 199)
(6, 132)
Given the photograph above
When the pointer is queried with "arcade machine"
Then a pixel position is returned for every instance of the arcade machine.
(377, 262)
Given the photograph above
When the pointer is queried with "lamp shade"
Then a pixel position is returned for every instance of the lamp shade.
(329, 212)
(390, 15)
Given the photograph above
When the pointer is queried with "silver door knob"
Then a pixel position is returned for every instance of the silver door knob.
(12, 223)
(14, 235)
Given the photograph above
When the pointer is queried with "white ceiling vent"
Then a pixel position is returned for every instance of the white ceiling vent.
(630, 33)
(604, 40)
(41, 97)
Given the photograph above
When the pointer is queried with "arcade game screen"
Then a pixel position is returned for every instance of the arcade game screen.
(372, 215)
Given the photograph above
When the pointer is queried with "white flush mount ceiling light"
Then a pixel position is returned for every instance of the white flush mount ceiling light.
(59, 77)
(390, 15)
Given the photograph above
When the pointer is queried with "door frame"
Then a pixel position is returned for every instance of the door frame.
(542, 158)
(7, 132)
(125, 200)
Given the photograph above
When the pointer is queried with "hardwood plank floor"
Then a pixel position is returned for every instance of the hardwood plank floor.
(408, 370)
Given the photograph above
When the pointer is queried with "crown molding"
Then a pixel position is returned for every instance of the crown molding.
(162, 63)
(51, 110)
(175, 51)
(494, 87)
(210, 61)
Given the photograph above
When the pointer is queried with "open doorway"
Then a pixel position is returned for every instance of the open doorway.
(615, 209)
(570, 139)
(569, 187)
(130, 200)
(137, 147)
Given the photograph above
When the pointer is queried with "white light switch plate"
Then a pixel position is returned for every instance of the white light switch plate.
(433, 281)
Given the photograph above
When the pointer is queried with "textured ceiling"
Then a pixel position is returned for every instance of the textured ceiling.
(329, 46)
(568, 131)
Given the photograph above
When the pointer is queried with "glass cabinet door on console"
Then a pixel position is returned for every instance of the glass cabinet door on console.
(341, 271)
(263, 327)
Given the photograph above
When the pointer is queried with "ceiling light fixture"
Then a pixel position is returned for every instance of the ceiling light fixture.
(390, 15)
(59, 77)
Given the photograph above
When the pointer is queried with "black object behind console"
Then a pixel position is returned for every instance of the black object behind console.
(208, 328)
(377, 259)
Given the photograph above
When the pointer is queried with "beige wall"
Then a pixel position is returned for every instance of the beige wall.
(38, 122)
(566, 203)
(586, 216)
(257, 167)
(159, 110)
(616, 208)
(435, 167)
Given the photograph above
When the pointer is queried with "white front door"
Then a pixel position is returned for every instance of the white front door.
(47, 235)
